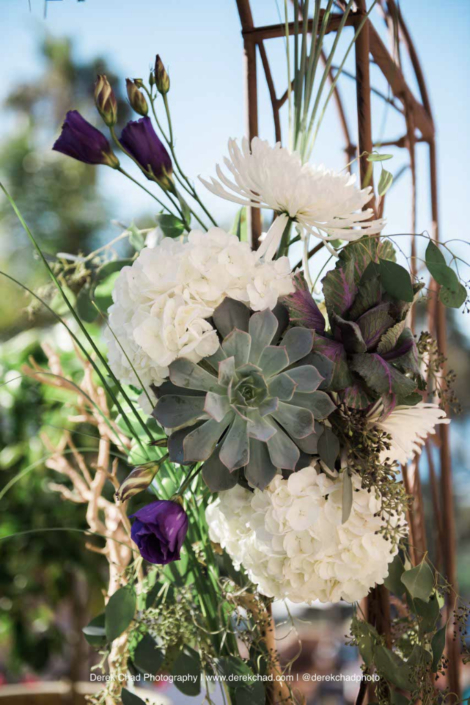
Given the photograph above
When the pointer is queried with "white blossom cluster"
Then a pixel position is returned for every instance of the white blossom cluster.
(162, 302)
(291, 540)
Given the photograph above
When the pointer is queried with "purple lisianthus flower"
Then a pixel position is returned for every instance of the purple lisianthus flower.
(159, 530)
(83, 142)
(142, 142)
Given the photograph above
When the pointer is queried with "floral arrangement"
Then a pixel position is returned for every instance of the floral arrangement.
(262, 422)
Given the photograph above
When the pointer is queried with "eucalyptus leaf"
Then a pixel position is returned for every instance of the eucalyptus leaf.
(119, 612)
(438, 645)
(85, 308)
(385, 181)
(453, 298)
(129, 698)
(148, 658)
(328, 447)
(136, 238)
(419, 581)
(347, 496)
(188, 663)
(170, 224)
(378, 157)
(95, 632)
(391, 667)
(393, 580)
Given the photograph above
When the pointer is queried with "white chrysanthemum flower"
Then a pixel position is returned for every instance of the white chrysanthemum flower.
(409, 426)
(162, 302)
(323, 203)
(291, 540)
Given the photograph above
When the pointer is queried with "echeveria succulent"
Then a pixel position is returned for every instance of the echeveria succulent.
(367, 298)
(249, 409)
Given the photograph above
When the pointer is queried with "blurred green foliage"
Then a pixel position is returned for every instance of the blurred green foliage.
(58, 196)
(49, 581)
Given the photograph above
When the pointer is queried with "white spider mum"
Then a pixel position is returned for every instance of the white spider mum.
(323, 203)
(292, 542)
(409, 426)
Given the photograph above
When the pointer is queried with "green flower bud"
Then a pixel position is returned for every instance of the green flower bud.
(162, 79)
(106, 101)
(136, 98)
(138, 480)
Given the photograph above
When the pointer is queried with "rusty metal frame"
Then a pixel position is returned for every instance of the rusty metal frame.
(419, 128)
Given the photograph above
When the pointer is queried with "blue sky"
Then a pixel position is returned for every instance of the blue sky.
(201, 44)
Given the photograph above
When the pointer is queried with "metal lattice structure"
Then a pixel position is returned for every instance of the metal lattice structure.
(418, 127)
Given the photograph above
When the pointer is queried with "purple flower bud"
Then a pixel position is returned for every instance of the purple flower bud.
(105, 101)
(82, 141)
(136, 98)
(159, 530)
(162, 79)
(141, 141)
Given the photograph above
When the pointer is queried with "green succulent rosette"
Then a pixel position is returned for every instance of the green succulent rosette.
(250, 409)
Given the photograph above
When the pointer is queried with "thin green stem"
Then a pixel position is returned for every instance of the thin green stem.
(84, 331)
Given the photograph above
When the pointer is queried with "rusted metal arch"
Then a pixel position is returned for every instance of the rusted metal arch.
(419, 125)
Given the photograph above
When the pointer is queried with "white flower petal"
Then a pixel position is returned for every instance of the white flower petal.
(290, 539)
(273, 177)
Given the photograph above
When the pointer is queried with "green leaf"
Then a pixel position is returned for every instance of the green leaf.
(419, 581)
(240, 226)
(419, 656)
(428, 611)
(85, 308)
(379, 157)
(251, 695)
(453, 293)
(393, 580)
(396, 280)
(148, 658)
(398, 699)
(119, 612)
(129, 698)
(328, 447)
(95, 632)
(385, 181)
(453, 298)
(136, 238)
(438, 645)
(171, 226)
(391, 667)
(111, 268)
(347, 496)
(188, 664)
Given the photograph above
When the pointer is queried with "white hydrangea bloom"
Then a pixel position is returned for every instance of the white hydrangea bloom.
(409, 426)
(290, 539)
(162, 302)
(324, 203)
